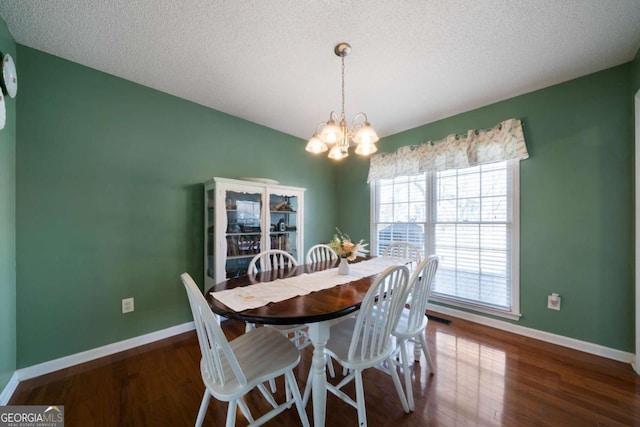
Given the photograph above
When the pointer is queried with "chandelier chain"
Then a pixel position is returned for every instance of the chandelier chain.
(342, 117)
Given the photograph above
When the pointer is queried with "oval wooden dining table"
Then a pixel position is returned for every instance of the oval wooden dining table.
(319, 310)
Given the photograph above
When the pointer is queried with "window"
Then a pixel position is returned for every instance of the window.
(466, 216)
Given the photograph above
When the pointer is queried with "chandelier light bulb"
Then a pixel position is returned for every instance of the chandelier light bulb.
(336, 154)
(315, 145)
(331, 133)
(366, 149)
(366, 134)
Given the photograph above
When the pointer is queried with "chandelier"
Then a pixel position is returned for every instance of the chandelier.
(334, 135)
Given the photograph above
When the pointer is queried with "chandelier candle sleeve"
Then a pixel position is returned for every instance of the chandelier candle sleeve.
(337, 134)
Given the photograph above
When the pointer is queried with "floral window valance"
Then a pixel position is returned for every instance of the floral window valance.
(504, 141)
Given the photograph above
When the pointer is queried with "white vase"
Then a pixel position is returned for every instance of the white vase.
(343, 268)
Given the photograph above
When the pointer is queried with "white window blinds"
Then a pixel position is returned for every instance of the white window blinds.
(466, 216)
(472, 233)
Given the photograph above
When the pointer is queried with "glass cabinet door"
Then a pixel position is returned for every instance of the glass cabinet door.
(209, 238)
(283, 217)
(243, 230)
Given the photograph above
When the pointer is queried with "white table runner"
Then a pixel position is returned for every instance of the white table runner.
(260, 294)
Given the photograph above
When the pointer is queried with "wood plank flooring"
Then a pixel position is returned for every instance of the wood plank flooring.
(484, 377)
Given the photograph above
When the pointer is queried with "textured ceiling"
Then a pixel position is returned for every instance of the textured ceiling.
(272, 61)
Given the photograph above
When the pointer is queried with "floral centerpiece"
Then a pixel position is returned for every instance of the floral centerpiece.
(345, 248)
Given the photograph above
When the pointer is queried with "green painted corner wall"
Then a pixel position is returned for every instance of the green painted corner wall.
(8, 226)
(635, 83)
(109, 201)
(576, 202)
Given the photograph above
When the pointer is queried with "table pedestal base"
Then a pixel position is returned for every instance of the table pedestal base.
(319, 335)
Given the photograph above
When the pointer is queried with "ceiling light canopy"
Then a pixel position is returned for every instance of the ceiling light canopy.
(335, 135)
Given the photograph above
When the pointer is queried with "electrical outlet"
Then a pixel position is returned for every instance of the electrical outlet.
(127, 305)
(553, 302)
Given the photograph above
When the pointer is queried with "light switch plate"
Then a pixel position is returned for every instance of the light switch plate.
(127, 305)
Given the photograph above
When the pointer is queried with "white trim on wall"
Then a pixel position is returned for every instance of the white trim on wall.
(9, 389)
(107, 350)
(587, 347)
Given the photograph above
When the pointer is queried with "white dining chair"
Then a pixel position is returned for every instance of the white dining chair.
(276, 259)
(320, 253)
(231, 369)
(413, 320)
(272, 259)
(403, 250)
(364, 341)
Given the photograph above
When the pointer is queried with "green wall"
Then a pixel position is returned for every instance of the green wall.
(109, 205)
(8, 226)
(635, 84)
(576, 202)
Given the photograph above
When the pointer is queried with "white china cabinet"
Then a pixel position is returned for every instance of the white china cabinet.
(243, 218)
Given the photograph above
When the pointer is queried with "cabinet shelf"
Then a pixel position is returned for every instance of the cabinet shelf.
(241, 256)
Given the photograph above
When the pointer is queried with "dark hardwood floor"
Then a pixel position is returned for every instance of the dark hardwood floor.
(484, 377)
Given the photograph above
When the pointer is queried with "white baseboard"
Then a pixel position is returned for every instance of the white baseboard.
(86, 356)
(575, 344)
(9, 389)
